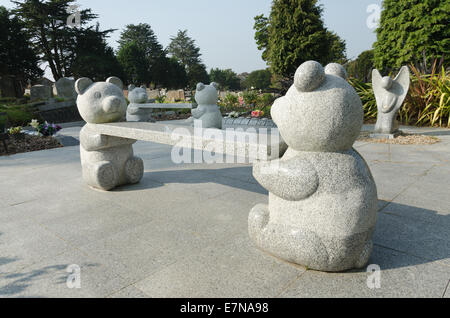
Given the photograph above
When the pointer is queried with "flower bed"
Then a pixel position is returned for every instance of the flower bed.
(21, 143)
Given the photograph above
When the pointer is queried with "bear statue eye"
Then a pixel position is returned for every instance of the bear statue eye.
(98, 95)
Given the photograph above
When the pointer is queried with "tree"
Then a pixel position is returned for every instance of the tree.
(409, 27)
(134, 63)
(262, 34)
(18, 60)
(362, 67)
(93, 58)
(143, 35)
(159, 66)
(172, 74)
(197, 74)
(260, 79)
(227, 79)
(53, 39)
(186, 52)
(337, 50)
(294, 33)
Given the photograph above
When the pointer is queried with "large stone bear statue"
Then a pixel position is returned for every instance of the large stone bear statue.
(323, 199)
(207, 112)
(107, 161)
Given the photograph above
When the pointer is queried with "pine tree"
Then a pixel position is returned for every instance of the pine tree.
(143, 35)
(294, 33)
(135, 63)
(186, 52)
(46, 24)
(410, 27)
(94, 58)
(159, 68)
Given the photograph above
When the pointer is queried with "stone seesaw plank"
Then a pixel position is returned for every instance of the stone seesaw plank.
(164, 106)
(261, 144)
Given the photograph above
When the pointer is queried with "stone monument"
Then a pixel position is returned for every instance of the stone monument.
(389, 95)
(40, 92)
(207, 111)
(65, 88)
(107, 162)
(322, 197)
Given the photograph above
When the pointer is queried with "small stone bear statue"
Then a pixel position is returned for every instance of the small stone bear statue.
(207, 111)
(107, 161)
(390, 95)
(322, 196)
(138, 96)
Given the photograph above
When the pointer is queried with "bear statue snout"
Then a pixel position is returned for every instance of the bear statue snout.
(112, 104)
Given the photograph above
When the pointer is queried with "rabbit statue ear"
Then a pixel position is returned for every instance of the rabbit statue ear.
(200, 87)
(116, 81)
(131, 87)
(82, 84)
(216, 86)
(403, 77)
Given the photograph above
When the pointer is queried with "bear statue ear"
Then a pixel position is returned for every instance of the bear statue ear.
(143, 86)
(200, 87)
(337, 70)
(216, 86)
(82, 84)
(131, 87)
(309, 76)
(116, 81)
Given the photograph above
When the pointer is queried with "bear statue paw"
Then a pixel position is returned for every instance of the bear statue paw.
(134, 170)
(105, 176)
(259, 218)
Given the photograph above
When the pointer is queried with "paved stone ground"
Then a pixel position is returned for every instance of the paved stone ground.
(182, 232)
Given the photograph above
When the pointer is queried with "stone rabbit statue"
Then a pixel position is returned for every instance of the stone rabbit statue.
(389, 94)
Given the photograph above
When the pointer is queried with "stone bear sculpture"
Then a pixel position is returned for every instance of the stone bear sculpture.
(390, 94)
(138, 96)
(322, 196)
(207, 112)
(107, 161)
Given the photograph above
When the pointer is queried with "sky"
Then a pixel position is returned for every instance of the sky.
(223, 29)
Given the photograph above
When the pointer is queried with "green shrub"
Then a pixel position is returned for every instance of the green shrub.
(230, 101)
(428, 98)
(365, 92)
(250, 98)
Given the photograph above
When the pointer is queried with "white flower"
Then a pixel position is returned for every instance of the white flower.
(34, 123)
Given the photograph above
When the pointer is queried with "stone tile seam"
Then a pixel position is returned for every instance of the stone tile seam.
(413, 255)
(409, 217)
(125, 287)
(445, 290)
(290, 283)
(409, 186)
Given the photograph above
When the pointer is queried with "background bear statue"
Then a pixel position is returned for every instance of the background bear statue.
(107, 161)
(138, 96)
(207, 111)
(322, 197)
